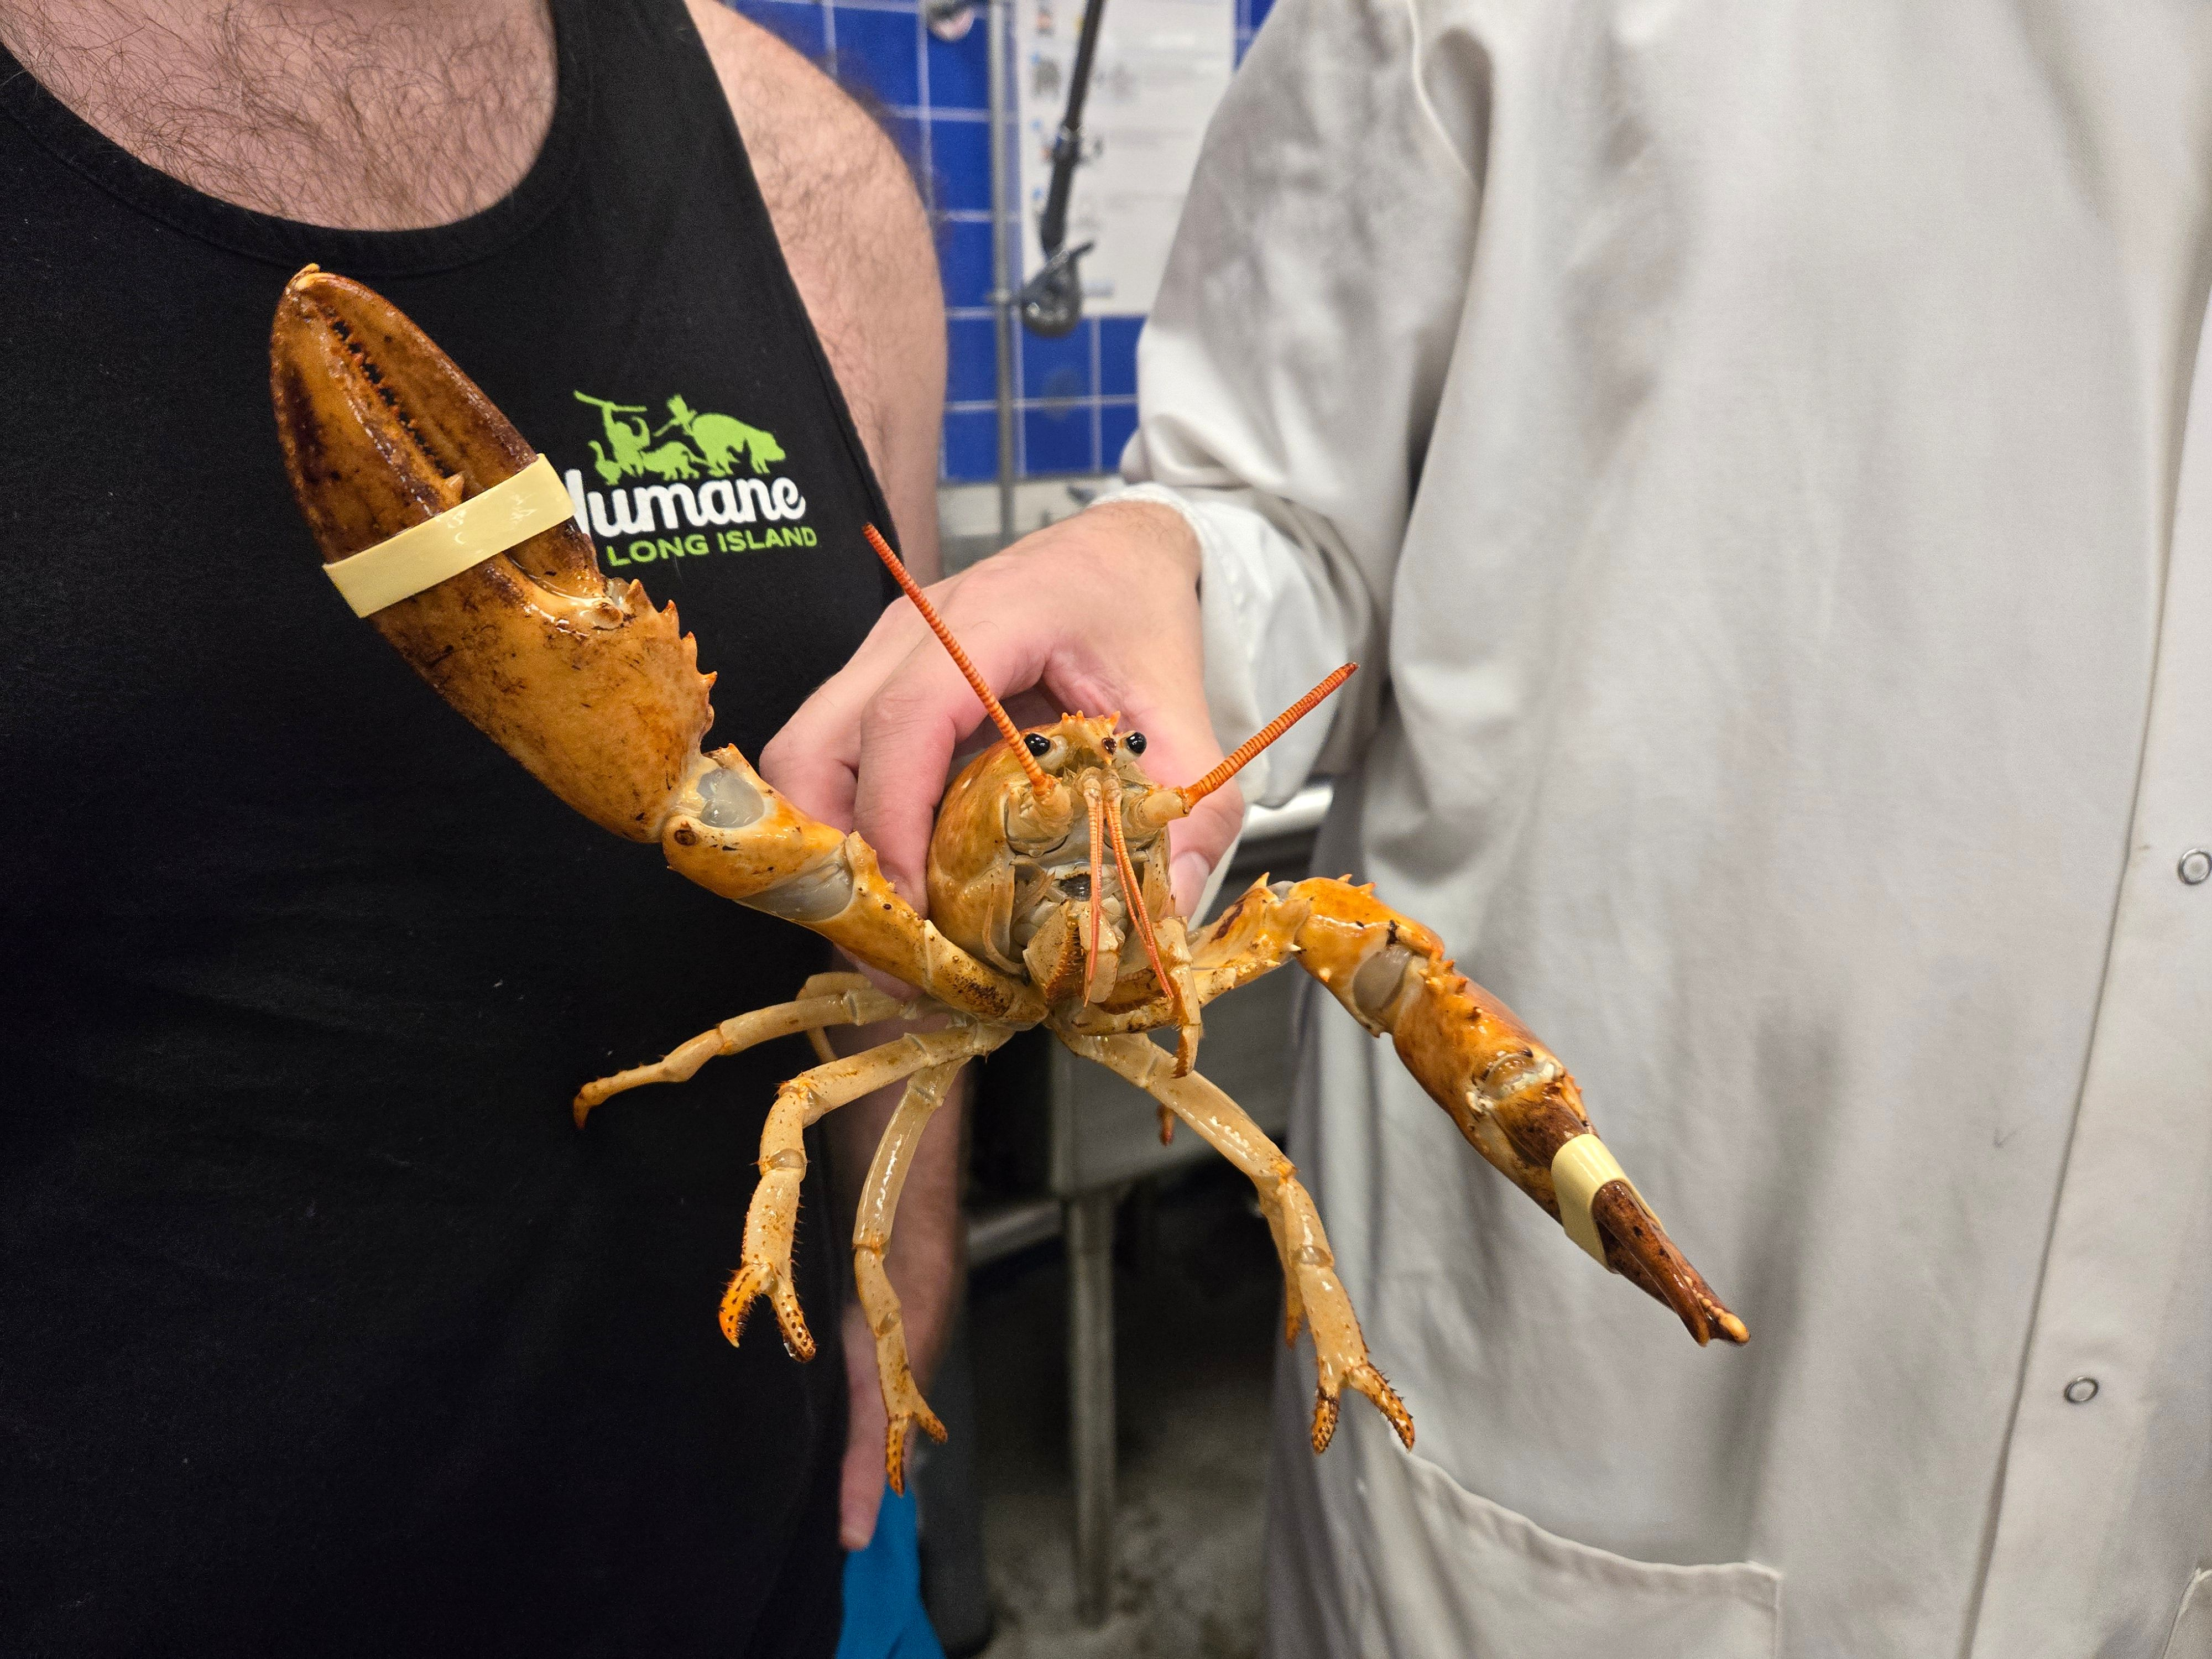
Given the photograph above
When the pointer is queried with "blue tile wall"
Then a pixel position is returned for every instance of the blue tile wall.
(879, 52)
(803, 25)
(1117, 355)
(971, 359)
(1077, 397)
(1250, 14)
(971, 443)
(959, 72)
(1060, 438)
(1116, 422)
(964, 257)
(1058, 371)
(960, 157)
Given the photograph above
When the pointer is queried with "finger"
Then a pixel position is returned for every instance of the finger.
(860, 1487)
(1180, 747)
(811, 765)
(860, 1481)
(1212, 826)
(816, 757)
(1200, 842)
(907, 736)
(920, 714)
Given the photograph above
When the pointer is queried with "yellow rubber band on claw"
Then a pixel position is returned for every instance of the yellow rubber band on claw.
(461, 538)
(1578, 1170)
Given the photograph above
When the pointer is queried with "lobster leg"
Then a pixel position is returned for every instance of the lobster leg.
(1509, 1096)
(765, 1267)
(818, 1004)
(1310, 1286)
(871, 1235)
(821, 985)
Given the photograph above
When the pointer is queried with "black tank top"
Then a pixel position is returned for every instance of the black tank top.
(321, 1328)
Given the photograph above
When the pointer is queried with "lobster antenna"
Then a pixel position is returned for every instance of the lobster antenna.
(1039, 782)
(1180, 801)
(1097, 818)
(1132, 892)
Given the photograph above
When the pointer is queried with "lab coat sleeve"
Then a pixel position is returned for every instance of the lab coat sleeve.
(1291, 370)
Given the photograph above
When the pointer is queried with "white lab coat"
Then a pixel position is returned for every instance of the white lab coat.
(1759, 452)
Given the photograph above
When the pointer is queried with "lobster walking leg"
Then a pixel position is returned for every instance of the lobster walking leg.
(1509, 1095)
(1309, 1281)
(871, 1235)
(765, 1267)
(857, 1003)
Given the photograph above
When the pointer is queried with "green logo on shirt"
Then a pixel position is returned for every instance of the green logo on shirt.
(737, 462)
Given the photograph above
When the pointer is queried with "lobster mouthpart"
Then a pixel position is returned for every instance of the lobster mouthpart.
(595, 693)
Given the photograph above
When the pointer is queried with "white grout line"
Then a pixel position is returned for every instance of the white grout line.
(980, 405)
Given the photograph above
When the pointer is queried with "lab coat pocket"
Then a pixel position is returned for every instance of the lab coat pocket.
(1453, 1576)
(2192, 1625)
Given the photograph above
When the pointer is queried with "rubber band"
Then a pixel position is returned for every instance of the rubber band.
(461, 538)
(1578, 1170)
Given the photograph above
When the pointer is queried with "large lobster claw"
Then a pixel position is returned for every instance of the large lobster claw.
(597, 694)
(577, 678)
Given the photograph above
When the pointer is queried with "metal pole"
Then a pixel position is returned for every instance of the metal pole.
(1068, 143)
(1005, 225)
(1090, 1396)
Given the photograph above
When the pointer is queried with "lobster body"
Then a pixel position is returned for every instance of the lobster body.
(1048, 871)
(1021, 897)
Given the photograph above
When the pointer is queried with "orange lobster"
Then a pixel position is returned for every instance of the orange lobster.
(1050, 856)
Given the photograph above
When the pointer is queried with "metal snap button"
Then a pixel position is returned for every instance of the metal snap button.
(2197, 866)
(2081, 1390)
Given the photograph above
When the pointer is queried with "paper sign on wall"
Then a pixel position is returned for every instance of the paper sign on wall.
(1162, 67)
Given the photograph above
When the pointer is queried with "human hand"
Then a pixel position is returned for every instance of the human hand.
(1098, 612)
(861, 1488)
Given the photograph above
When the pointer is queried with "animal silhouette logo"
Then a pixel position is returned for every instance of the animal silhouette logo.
(722, 440)
(715, 443)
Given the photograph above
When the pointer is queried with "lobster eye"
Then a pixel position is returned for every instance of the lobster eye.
(1038, 746)
(1135, 743)
(1107, 745)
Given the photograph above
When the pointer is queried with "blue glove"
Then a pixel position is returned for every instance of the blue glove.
(884, 1618)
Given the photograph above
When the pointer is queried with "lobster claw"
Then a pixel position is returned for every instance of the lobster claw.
(595, 693)
(1509, 1095)
(1636, 1248)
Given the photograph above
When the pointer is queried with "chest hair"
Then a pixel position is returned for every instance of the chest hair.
(377, 115)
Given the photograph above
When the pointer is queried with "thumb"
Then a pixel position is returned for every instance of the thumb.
(1199, 841)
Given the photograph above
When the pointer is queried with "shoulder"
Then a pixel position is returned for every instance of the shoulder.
(809, 142)
(853, 233)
